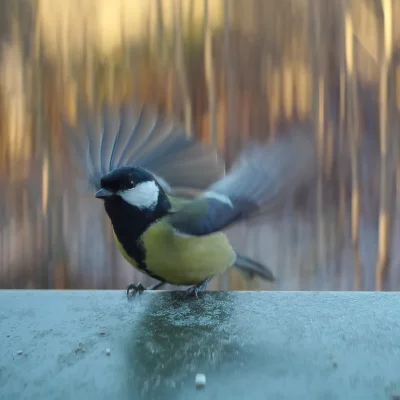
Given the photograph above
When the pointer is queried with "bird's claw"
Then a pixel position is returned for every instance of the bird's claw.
(133, 289)
(193, 291)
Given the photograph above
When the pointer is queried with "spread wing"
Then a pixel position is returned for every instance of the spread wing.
(131, 135)
(263, 177)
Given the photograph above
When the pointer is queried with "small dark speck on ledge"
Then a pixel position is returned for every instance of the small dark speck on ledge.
(79, 349)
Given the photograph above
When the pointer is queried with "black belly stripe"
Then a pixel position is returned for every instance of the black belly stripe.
(137, 250)
(129, 223)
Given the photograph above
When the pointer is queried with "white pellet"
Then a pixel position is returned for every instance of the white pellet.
(108, 351)
(200, 380)
(19, 352)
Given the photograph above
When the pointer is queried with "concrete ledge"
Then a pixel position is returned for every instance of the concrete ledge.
(256, 345)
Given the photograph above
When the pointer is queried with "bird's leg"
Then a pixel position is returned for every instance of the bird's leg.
(195, 289)
(156, 286)
(132, 289)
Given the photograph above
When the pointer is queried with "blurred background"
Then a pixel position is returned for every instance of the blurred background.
(231, 70)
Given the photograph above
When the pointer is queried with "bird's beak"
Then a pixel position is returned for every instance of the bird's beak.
(104, 194)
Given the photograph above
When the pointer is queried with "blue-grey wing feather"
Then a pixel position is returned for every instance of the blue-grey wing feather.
(264, 176)
(203, 216)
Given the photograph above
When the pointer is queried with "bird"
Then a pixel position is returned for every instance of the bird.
(168, 196)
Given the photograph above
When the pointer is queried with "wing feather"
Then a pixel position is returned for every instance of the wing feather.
(137, 135)
(264, 176)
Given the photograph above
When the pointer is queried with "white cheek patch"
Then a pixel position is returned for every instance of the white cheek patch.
(143, 196)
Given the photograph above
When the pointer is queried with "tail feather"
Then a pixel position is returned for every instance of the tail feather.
(251, 268)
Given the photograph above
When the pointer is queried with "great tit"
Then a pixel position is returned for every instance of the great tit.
(143, 159)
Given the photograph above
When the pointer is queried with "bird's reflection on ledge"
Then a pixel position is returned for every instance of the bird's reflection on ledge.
(175, 339)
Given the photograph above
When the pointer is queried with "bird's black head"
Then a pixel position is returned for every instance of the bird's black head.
(132, 185)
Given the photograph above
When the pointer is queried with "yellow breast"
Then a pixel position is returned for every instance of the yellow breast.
(185, 260)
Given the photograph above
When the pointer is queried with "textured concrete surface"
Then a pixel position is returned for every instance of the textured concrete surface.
(258, 345)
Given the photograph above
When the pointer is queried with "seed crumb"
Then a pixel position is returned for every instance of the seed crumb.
(200, 380)
(19, 352)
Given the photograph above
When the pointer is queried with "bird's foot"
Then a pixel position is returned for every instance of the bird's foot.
(194, 290)
(134, 289)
